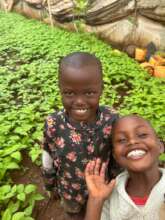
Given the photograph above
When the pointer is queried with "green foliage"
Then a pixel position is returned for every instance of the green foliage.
(29, 56)
(80, 6)
(17, 202)
(162, 157)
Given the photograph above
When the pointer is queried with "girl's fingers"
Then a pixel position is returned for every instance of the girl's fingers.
(94, 167)
(90, 168)
(102, 171)
(97, 167)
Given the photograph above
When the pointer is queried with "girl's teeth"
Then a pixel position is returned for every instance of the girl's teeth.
(136, 153)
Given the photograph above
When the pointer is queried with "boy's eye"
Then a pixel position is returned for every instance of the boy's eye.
(90, 93)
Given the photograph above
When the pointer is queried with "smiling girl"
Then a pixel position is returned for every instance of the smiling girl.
(138, 193)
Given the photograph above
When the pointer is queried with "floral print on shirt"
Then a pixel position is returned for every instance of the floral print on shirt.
(72, 145)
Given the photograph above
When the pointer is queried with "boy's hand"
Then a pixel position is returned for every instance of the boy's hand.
(95, 179)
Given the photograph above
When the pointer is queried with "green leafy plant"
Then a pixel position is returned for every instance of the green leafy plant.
(17, 202)
(80, 6)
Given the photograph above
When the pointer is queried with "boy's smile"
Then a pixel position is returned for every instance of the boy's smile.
(136, 146)
(81, 90)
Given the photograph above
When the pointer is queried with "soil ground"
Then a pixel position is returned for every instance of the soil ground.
(49, 208)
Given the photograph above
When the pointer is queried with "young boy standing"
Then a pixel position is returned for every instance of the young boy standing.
(78, 133)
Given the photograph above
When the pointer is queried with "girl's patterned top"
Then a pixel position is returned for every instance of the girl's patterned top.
(72, 145)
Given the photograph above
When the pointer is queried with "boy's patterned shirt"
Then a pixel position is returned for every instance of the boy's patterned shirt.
(72, 145)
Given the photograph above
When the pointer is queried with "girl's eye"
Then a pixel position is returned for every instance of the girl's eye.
(68, 93)
(142, 135)
(122, 140)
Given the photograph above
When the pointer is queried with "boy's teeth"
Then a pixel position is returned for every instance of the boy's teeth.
(136, 153)
(81, 110)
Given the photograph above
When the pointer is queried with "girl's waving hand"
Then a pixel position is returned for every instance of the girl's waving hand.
(95, 178)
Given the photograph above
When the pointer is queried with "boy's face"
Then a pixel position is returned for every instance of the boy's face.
(136, 146)
(81, 90)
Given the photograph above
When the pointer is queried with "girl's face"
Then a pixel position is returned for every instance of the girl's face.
(136, 146)
(81, 90)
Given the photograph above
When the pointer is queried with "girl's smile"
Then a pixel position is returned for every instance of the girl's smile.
(136, 146)
(136, 154)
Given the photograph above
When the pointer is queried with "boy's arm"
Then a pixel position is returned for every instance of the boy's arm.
(48, 168)
(47, 161)
(48, 171)
(98, 189)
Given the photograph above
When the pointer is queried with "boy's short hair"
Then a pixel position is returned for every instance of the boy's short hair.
(79, 60)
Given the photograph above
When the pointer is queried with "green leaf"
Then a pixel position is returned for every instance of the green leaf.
(35, 197)
(11, 149)
(162, 157)
(20, 188)
(30, 188)
(37, 135)
(12, 165)
(14, 189)
(38, 197)
(6, 215)
(16, 155)
(21, 197)
(19, 130)
(13, 207)
(35, 153)
(28, 218)
(27, 127)
(18, 216)
(9, 195)
(5, 189)
(28, 210)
